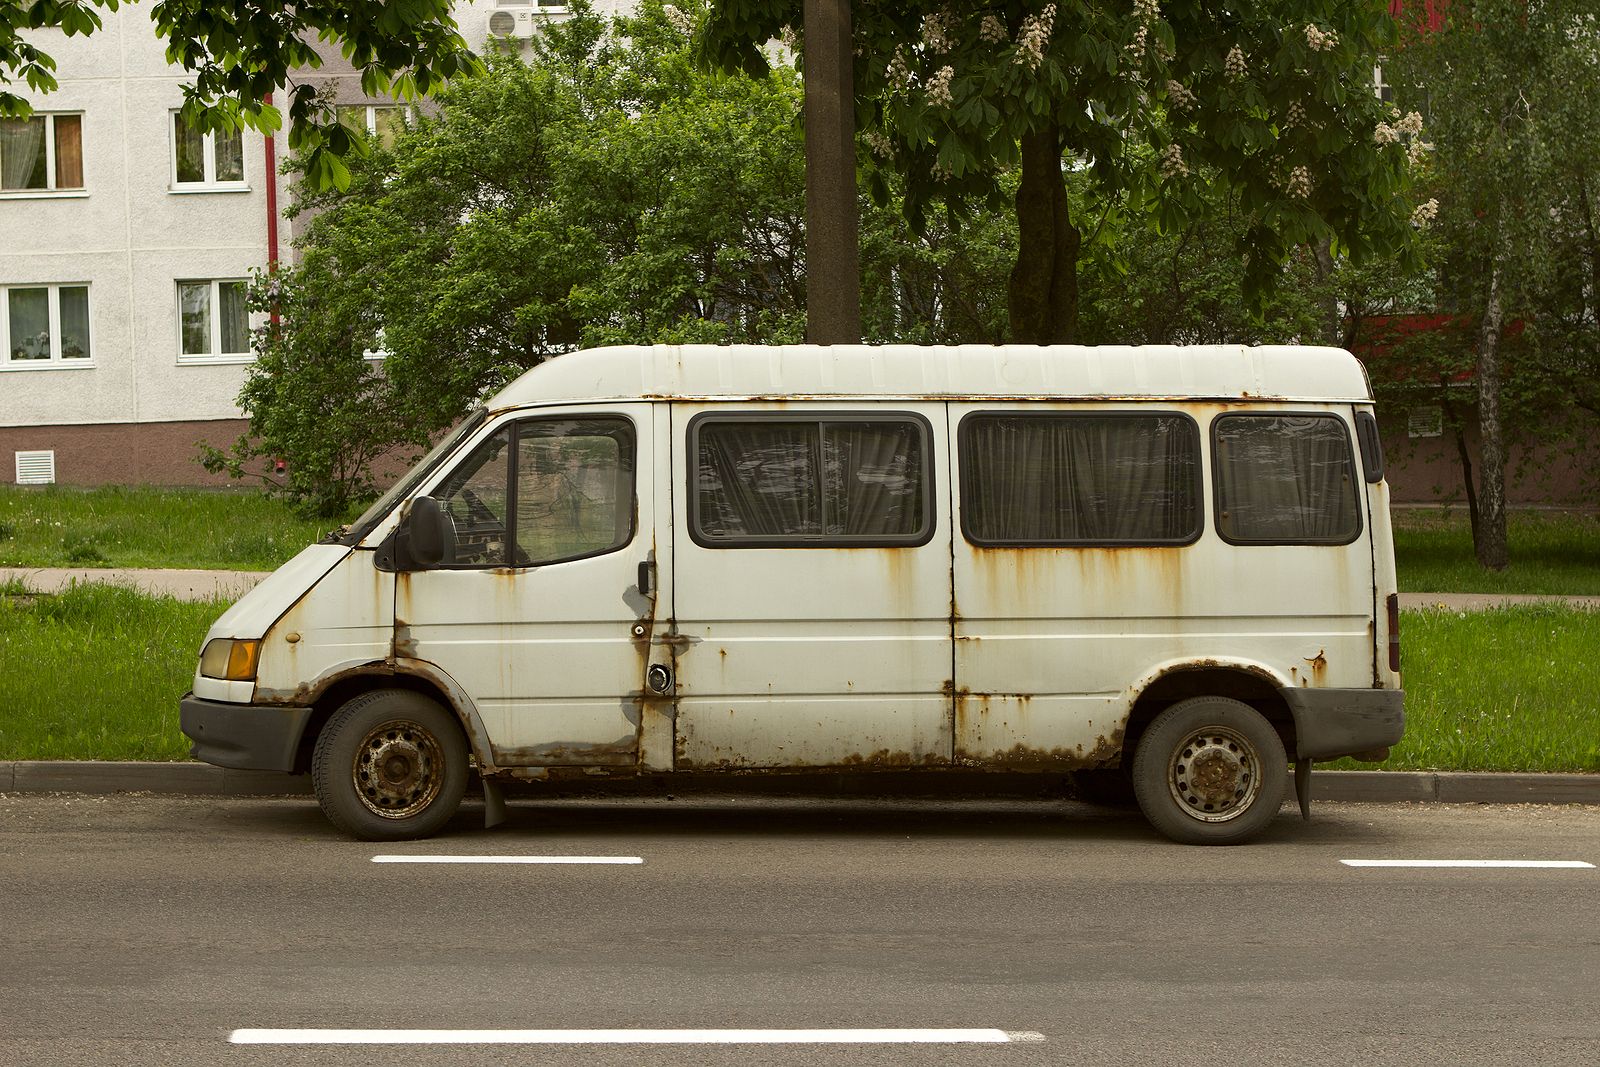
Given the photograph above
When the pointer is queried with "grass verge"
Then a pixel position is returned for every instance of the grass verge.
(1555, 553)
(52, 526)
(96, 673)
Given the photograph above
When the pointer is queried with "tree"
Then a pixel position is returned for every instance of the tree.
(240, 53)
(1272, 99)
(1511, 85)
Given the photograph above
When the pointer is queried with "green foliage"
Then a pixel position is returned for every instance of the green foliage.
(238, 54)
(1266, 107)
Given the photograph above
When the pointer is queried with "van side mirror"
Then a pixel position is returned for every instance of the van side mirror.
(425, 538)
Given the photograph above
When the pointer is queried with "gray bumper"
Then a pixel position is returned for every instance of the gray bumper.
(1329, 723)
(242, 735)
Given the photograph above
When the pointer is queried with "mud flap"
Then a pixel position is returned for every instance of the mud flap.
(1302, 786)
(494, 804)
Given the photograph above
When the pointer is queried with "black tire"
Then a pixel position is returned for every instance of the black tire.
(391, 765)
(1210, 771)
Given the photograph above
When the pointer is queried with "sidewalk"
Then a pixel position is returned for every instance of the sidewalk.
(202, 585)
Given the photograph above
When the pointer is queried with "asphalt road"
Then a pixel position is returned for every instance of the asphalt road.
(147, 930)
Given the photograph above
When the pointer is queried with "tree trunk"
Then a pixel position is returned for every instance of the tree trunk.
(1332, 318)
(1458, 431)
(1489, 534)
(1044, 282)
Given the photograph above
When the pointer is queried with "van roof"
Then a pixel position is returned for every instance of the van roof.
(696, 372)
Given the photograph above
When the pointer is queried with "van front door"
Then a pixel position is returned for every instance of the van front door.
(811, 585)
(539, 614)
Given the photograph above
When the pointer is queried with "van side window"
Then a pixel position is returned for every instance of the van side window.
(543, 491)
(1080, 479)
(808, 481)
(1285, 479)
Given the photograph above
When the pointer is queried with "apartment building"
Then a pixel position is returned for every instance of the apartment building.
(126, 244)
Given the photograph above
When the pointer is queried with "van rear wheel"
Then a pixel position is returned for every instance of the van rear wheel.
(1210, 771)
(391, 765)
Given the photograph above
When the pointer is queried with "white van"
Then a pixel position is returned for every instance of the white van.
(697, 559)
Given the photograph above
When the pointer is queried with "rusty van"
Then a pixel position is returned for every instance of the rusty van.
(1172, 564)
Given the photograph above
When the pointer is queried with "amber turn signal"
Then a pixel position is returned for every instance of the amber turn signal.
(230, 659)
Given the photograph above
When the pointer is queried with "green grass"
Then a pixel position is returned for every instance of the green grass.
(96, 672)
(146, 527)
(1551, 553)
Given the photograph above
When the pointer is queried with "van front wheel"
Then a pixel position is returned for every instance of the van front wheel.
(1210, 771)
(391, 765)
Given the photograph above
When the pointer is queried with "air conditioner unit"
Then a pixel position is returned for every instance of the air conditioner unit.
(513, 23)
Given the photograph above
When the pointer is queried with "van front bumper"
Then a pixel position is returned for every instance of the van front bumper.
(1329, 723)
(244, 736)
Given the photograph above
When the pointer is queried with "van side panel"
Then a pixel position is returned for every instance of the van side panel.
(1052, 643)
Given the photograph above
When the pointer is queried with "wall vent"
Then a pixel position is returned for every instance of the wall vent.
(36, 468)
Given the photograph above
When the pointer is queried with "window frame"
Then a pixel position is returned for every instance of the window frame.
(369, 114)
(963, 437)
(214, 356)
(208, 161)
(514, 426)
(1353, 474)
(51, 189)
(930, 518)
(56, 360)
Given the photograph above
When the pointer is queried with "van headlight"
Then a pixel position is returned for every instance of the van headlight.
(230, 659)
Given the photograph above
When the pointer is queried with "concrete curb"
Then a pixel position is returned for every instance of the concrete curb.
(1380, 787)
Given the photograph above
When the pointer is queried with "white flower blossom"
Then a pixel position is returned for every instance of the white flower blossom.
(1295, 116)
(1147, 10)
(1411, 124)
(681, 20)
(1417, 151)
(1299, 184)
(1181, 97)
(1141, 37)
(899, 73)
(936, 33)
(1320, 40)
(1384, 133)
(1172, 164)
(1425, 214)
(791, 39)
(942, 173)
(879, 143)
(993, 31)
(1033, 36)
(939, 87)
(1235, 64)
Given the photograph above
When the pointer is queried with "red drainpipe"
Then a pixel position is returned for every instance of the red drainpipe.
(272, 205)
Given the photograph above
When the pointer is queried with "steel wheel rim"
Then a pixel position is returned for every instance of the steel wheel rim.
(398, 769)
(1214, 775)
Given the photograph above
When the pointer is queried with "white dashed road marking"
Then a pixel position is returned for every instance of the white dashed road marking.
(507, 859)
(1541, 864)
(633, 1037)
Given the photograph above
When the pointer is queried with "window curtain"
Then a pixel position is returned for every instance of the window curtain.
(873, 478)
(1080, 478)
(22, 156)
(69, 152)
(1285, 478)
(758, 480)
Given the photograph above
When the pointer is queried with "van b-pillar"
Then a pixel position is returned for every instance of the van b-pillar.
(833, 265)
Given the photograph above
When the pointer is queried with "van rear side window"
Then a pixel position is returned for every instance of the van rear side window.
(804, 481)
(1285, 479)
(1080, 479)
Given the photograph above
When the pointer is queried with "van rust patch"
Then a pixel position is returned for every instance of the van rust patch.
(1319, 667)
(621, 752)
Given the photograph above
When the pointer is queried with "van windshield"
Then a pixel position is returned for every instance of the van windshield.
(352, 533)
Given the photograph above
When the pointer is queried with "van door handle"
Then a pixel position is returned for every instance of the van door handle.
(647, 585)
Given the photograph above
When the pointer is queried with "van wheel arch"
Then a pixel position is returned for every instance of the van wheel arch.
(349, 686)
(1184, 683)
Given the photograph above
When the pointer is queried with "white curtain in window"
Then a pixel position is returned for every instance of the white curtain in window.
(22, 156)
(1285, 478)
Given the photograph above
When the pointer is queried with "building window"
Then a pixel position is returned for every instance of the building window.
(1079, 478)
(382, 122)
(44, 325)
(213, 320)
(43, 153)
(1425, 421)
(800, 481)
(206, 160)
